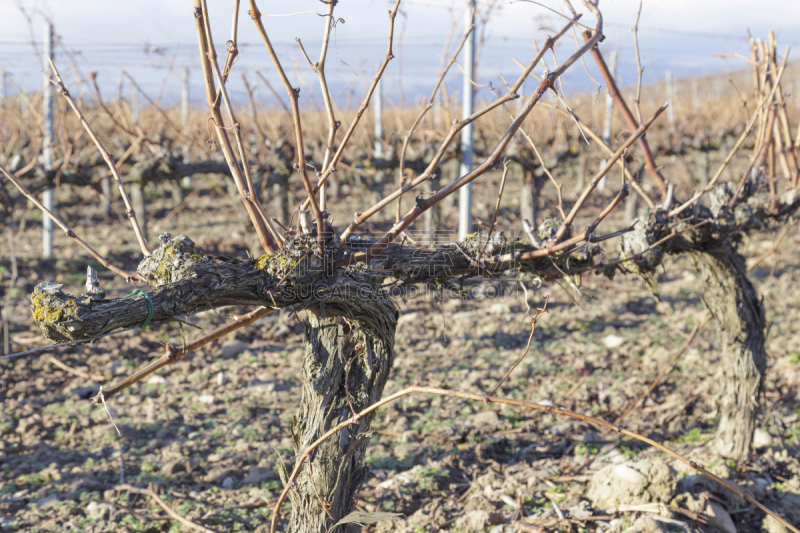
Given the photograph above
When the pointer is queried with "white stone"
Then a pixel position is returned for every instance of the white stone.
(206, 399)
(613, 341)
(98, 510)
(155, 379)
(232, 349)
(761, 438)
(631, 475)
(771, 525)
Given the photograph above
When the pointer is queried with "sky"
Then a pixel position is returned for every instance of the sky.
(146, 37)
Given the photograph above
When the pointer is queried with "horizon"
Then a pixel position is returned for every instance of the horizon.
(160, 36)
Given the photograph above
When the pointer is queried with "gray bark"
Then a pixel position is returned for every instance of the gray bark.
(347, 362)
(739, 316)
(727, 292)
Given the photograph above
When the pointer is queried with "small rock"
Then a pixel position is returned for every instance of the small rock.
(273, 385)
(221, 379)
(487, 417)
(771, 525)
(613, 341)
(402, 451)
(407, 317)
(6, 524)
(626, 473)
(478, 520)
(98, 510)
(155, 379)
(761, 438)
(207, 399)
(570, 427)
(86, 391)
(214, 458)
(581, 511)
(259, 474)
(232, 349)
(633, 483)
(46, 503)
(228, 483)
(172, 468)
(759, 487)
(657, 524)
(719, 518)
(29, 424)
(7, 424)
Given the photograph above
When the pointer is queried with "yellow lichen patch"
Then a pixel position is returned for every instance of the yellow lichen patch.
(169, 251)
(44, 313)
(263, 261)
(273, 264)
(162, 272)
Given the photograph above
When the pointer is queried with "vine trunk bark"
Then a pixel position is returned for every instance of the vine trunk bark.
(346, 364)
(739, 316)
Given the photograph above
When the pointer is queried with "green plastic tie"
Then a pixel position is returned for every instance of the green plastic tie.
(150, 308)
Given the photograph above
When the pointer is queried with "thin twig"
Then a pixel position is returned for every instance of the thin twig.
(424, 204)
(207, 57)
(603, 171)
(175, 516)
(171, 355)
(739, 142)
(294, 94)
(540, 312)
(782, 235)
(459, 125)
(493, 223)
(362, 108)
(243, 179)
(106, 156)
(428, 106)
(613, 91)
(639, 68)
(72, 371)
(129, 276)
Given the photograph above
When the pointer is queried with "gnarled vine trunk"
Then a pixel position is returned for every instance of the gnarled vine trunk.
(739, 316)
(347, 362)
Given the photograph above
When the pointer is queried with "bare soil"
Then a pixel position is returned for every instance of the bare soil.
(210, 431)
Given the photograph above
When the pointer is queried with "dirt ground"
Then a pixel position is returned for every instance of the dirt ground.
(208, 431)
